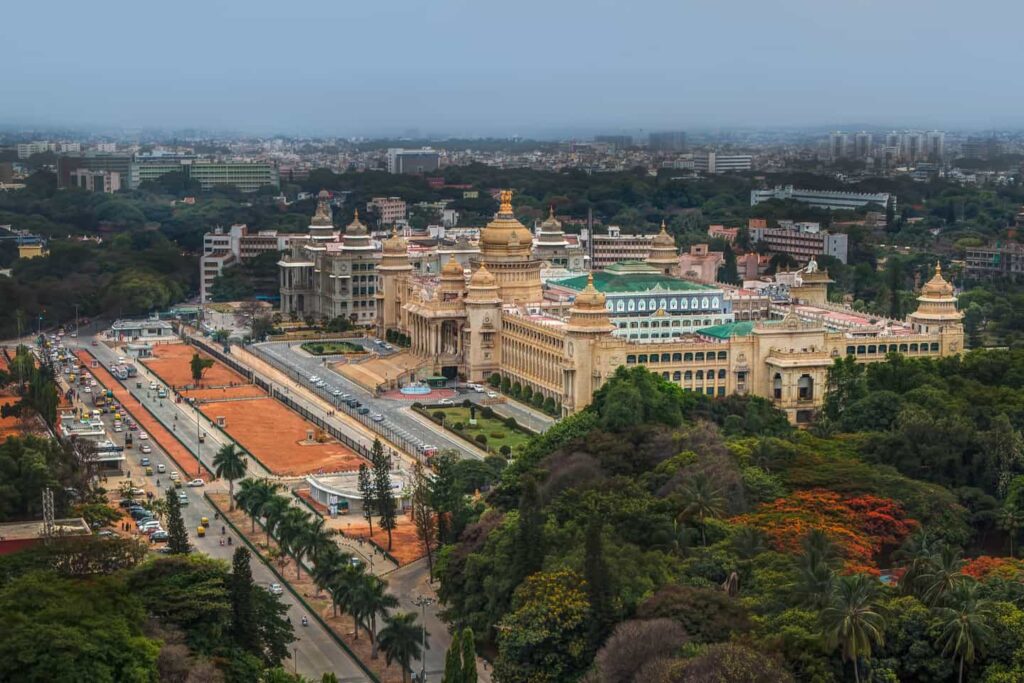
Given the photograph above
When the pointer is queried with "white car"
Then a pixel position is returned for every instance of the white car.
(118, 428)
(146, 448)
(275, 589)
(143, 436)
(161, 468)
(446, 402)
(491, 394)
(174, 475)
(152, 386)
(377, 417)
(86, 390)
(197, 482)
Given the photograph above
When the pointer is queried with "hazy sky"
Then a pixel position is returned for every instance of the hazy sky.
(519, 67)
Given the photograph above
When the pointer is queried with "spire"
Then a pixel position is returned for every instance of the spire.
(551, 211)
(662, 225)
(938, 268)
(506, 201)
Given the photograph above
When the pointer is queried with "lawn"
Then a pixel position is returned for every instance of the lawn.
(498, 433)
(331, 348)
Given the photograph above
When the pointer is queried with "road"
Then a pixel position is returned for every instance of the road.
(396, 413)
(316, 652)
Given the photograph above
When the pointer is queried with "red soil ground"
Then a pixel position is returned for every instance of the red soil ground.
(226, 393)
(405, 546)
(184, 458)
(276, 436)
(171, 362)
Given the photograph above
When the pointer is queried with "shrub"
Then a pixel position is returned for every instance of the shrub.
(505, 450)
(527, 392)
(467, 403)
(517, 390)
(417, 405)
(438, 415)
(497, 435)
(458, 426)
(538, 400)
(511, 423)
(506, 385)
(549, 405)
(481, 439)
(487, 413)
(494, 380)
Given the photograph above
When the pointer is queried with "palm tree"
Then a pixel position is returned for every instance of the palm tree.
(273, 511)
(289, 530)
(943, 574)
(229, 464)
(347, 591)
(327, 572)
(966, 628)
(917, 555)
(371, 598)
(748, 542)
(400, 640)
(852, 619)
(701, 499)
(1011, 520)
(312, 541)
(253, 496)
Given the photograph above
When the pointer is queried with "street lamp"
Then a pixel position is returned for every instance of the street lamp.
(422, 602)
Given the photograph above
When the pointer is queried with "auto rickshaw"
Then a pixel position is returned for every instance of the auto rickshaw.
(177, 483)
(149, 471)
(200, 531)
(204, 521)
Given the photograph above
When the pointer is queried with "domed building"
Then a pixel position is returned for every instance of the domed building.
(554, 249)
(506, 248)
(663, 254)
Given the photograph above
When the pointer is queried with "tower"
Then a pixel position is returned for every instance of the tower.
(483, 314)
(588, 324)
(393, 268)
(321, 228)
(937, 312)
(506, 248)
(663, 254)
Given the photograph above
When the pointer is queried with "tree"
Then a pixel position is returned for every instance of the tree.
(274, 514)
(254, 495)
(852, 620)
(453, 660)
(595, 573)
(400, 640)
(313, 541)
(368, 493)
(633, 644)
(177, 534)
(368, 599)
(446, 497)
(530, 535)
(1011, 520)
(702, 500)
(244, 628)
(734, 663)
(384, 496)
(943, 574)
(423, 516)
(198, 366)
(468, 656)
(965, 623)
(229, 464)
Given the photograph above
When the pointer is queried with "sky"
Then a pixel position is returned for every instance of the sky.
(524, 67)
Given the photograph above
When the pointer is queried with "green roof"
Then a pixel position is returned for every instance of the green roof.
(628, 277)
(740, 329)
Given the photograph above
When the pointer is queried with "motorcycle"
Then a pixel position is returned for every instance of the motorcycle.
(305, 621)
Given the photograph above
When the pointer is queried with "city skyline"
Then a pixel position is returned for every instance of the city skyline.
(538, 71)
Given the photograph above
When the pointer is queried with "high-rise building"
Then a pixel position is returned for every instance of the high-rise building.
(413, 161)
(93, 161)
(862, 144)
(619, 141)
(912, 147)
(247, 176)
(669, 141)
(222, 249)
(606, 249)
(27, 149)
(96, 181)
(716, 162)
(802, 241)
(935, 145)
(838, 145)
(976, 147)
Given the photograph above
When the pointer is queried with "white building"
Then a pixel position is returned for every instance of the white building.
(27, 149)
(222, 249)
(715, 162)
(389, 210)
(824, 199)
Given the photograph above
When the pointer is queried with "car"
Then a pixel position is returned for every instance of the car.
(336, 392)
(93, 383)
(145, 461)
(118, 429)
(161, 468)
(139, 513)
(275, 589)
(377, 417)
(177, 483)
(153, 386)
(94, 343)
(174, 475)
(132, 427)
(446, 402)
(86, 390)
(162, 393)
(136, 492)
(321, 384)
(159, 536)
(345, 396)
(146, 448)
(313, 379)
(143, 436)
(491, 394)
(197, 482)
(363, 411)
(148, 524)
(125, 503)
(182, 498)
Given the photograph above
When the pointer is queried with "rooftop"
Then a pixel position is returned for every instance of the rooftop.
(728, 330)
(632, 276)
(25, 531)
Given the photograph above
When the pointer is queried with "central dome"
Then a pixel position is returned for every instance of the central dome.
(505, 233)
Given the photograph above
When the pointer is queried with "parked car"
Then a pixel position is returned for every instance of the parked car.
(446, 402)
(152, 386)
(377, 417)
(159, 536)
(364, 410)
(491, 394)
(275, 589)
(182, 498)
(197, 482)
(174, 475)
(336, 392)
(126, 503)
(161, 468)
(106, 533)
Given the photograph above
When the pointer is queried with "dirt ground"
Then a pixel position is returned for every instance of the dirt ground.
(341, 624)
(276, 436)
(171, 363)
(12, 426)
(405, 546)
(226, 393)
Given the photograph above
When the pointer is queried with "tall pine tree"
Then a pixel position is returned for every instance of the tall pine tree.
(244, 626)
(530, 535)
(369, 494)
(595, 571)
(453, 661)
(385, 498)
(177, 534)
(468, 656)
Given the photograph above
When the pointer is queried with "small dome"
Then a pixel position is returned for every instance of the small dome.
(452, 269)
(663, 239)
(937, 287)
(551, 224)
(590, 298)
(355, 227)
(395, 244)
(482, 278)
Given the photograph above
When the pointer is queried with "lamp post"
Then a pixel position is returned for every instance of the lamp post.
(422, 603)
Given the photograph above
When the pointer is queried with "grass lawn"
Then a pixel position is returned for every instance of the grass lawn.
(489, 427)
(331, 348)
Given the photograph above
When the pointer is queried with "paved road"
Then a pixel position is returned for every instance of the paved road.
(396, 413)
(317, 653)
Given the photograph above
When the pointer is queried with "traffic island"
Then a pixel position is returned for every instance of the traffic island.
(318, 603)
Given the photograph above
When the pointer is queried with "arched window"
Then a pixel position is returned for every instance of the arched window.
(935, 346)
(677, 358)
(676, 376)
(862, 349)
(700, 375)
(621, 305)
(704, 303)
(872, 348)
(609, 305)
(850, 350)
(630, 359)
(673, 304)
(881, 348)
(777, 386)
(714, 302)
(693, 303)
(699, 356)
(903, 348)
(687, 357)
(642, 358)
(723, 355)
(688, 375)
(913, 348)
(664, 375)
(663, 304)
(721, 373)
(641, 305)
(805, 387)
(666, 358)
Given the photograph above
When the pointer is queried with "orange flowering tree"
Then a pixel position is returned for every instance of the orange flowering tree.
(988, 567)
(859, 525)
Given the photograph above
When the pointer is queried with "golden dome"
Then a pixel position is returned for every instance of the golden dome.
(322, 217)
(505, 230)
(452, 269)
(663, 239)
(482, 278)
(551, 224)
(355, 227)
(937, 287)
(395, 244)
(590, 298)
